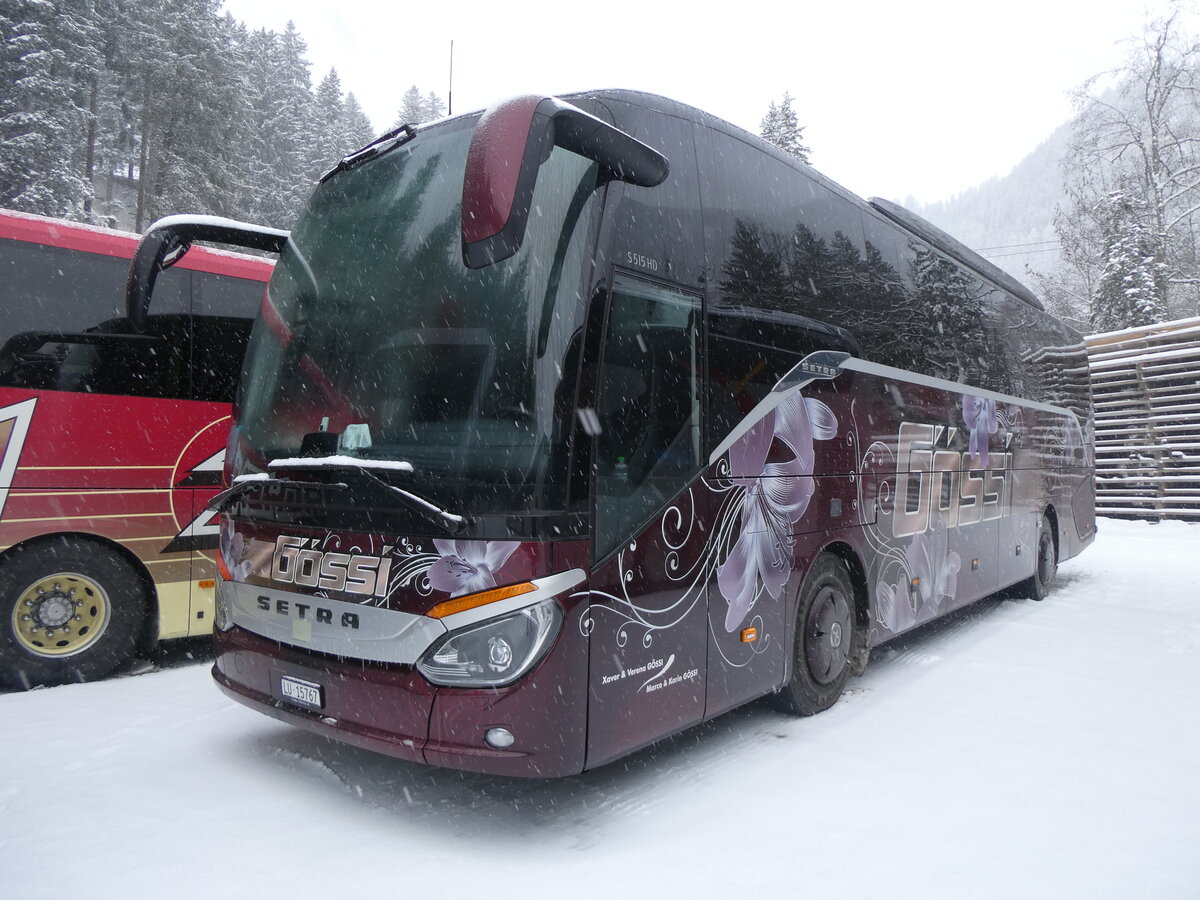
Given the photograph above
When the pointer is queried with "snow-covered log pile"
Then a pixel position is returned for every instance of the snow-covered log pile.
(1146, 390)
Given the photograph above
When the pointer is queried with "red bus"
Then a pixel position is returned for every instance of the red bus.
(574, 423)
(111, 444)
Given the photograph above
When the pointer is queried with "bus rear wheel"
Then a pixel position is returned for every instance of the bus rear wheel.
(1037, 585)
(824, 646)
(70, 610)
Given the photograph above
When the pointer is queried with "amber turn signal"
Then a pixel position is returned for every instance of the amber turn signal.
(470, 601)
(749, 635)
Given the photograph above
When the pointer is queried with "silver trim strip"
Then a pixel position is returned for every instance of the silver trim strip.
(870, 368)
(316, 623)
(819, 365)
(381, 635)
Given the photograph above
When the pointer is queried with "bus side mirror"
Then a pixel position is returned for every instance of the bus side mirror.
(508, 146)
(167, 240)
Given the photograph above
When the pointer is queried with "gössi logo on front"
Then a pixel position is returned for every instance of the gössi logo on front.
(297, 561)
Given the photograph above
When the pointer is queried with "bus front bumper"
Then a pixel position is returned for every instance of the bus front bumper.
(392, 709)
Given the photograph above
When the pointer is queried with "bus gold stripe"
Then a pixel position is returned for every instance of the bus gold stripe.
(90, 468)
(17, 492)
(154, 515)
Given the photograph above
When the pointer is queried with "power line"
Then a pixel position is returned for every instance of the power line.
(1020, 253)
(1014, 246)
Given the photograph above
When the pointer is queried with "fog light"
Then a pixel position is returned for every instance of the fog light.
(500, 738)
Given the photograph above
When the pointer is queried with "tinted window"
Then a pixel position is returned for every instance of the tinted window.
(64, 330)
(648, 406)
(777, 237)
(223, 295)
(659, 230)
(106, 359)
(48, 288)
(219, 346)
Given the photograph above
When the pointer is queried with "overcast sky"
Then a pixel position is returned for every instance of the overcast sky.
(924, 98)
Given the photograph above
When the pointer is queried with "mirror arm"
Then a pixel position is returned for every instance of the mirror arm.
(168, 240)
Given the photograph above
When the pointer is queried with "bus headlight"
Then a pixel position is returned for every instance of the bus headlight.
(493, 653)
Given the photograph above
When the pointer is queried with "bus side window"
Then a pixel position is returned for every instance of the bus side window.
(749, 351)
(219, 344)
(648, 406)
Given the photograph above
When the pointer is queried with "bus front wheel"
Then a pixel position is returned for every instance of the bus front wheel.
(70, 610)
(823, 649)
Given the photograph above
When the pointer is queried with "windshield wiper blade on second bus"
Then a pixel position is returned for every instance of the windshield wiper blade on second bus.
(431, 512)
(452, 522)
(243, 484)
(397, 137)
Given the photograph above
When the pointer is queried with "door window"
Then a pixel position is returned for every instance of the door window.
(648, 406)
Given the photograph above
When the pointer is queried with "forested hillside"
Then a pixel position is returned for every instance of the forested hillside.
(1010, 219)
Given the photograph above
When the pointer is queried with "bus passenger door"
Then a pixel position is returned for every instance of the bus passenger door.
(648, 616)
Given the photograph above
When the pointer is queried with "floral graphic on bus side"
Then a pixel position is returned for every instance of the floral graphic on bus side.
(980, 416)
(468, 566)
(775, 497)
(931, 580)
(233, 551)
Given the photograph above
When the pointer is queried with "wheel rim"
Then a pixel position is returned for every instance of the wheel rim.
(1046, 561)
(60, 615)
(827, 635)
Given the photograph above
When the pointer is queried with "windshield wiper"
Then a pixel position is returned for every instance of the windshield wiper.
(431, 512)
(397, 137)
(229, 496)
(426, 509)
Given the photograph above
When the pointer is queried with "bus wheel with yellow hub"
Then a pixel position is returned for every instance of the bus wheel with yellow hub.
(70, 610)
(825, 643)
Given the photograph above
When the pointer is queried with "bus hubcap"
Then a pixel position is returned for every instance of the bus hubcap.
(60, 615)
(1046, 559)
(828, 626)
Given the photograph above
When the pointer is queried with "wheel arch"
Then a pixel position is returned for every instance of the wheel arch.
(148, 635)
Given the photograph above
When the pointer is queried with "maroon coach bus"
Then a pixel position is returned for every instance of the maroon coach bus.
(571, 424)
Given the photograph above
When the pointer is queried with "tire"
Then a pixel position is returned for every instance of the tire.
(1037, 585)
(70, 610)
(824, 647)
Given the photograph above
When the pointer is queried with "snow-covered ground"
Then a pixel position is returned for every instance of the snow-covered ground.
(1020, 749)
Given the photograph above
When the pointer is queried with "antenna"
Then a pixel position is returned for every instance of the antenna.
(450, 90)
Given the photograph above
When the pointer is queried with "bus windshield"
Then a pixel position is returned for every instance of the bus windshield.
(375, 332)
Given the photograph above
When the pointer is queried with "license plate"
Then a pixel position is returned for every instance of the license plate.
(302, 693)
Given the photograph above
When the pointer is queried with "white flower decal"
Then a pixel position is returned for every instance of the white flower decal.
(979, 415)
(932, 580)
(233, 547)
(776, 496)
(935, 567)
(469, 566)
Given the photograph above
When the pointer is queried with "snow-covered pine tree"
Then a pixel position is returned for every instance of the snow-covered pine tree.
(1139, 136)
(328, 115)
(41, 121)
(355, 124)
(415, 108)
(781, 127)
(301, 161)
(412, 108)
(434, 107)
(1132, 289)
